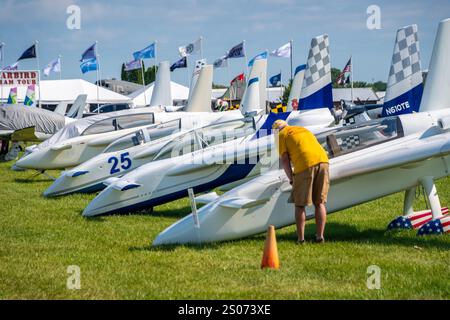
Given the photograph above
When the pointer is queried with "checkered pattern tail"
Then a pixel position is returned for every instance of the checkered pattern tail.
(316, 89)
(415, 220)
(405, 82)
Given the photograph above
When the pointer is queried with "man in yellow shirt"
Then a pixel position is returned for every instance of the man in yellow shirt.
(306, 165)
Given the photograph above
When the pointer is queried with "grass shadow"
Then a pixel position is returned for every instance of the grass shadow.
(173, 247)
(339, 232)
(31, 180)
(171, 213)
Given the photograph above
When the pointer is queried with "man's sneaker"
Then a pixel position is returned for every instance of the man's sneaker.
(319, 240)
(301, 242)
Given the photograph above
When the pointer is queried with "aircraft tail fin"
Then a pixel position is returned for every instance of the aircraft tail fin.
(405, 83)
(296, 87)
(259, 70)
(30, 95)
(199, 64)
(201, 95)
(61, 108)
(316, 89)
(77, 109)
(162, 95)
(436, 94)
(251, 100)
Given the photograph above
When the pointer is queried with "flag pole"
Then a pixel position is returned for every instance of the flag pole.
(281, 87)
(2, 45)
(143, 80)
(292, 71)
(156, 58)
(351, 74)
(60, 67)
(245, 55)
(39, 72)
(229, 81)
(201, 47)
(97, 56)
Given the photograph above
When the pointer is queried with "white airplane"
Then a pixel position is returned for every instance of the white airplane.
(80, 141)
(144, 146)
(90, 175)
(387, 155)
(29, 123)
(165, 180)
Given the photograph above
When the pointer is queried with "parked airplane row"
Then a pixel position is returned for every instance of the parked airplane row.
(142, 158)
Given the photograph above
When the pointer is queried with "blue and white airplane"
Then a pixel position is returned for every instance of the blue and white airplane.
(232, 162)
(393, 154)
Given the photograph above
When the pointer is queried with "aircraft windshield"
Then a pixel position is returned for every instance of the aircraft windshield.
(349, 139)
(145, 135)
(207, 136)
(120, 123)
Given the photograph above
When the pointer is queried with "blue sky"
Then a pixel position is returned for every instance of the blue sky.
(122, 27)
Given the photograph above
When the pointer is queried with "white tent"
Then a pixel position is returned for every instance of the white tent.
(179, 93)
(55, 91)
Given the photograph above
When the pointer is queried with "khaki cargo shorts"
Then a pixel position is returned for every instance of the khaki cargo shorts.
(311, 186)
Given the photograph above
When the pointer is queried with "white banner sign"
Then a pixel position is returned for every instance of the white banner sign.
(19, 78)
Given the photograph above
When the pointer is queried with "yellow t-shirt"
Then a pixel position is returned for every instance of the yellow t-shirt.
(302, 146)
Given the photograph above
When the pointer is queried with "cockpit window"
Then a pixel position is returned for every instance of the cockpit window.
(207, 136)
(145, 135)
(344, 140)
(119, 123)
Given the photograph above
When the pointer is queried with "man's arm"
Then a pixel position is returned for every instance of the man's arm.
(286, 163)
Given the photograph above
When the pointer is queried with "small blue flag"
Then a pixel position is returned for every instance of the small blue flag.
(237, 51)
(275, 79)
(89, 53)
(182, 63)
(258, 57)
(146, 53)
(89, 65)
(29, 53)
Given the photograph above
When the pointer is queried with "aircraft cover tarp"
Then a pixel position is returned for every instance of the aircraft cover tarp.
(16, 117)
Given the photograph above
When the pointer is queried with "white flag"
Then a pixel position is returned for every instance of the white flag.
(54, 66)
(283, 51)
(190, 48)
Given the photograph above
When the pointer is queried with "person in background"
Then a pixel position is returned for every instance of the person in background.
(306, 165)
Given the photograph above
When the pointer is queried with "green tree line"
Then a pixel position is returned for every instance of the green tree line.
(135, 76)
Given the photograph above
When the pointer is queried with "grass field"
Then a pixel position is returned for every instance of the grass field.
(40, 238)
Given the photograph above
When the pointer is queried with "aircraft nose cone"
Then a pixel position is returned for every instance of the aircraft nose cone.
(56, 187)
(28, 161)
(183, 231)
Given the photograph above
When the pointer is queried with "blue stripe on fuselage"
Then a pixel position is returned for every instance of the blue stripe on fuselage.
(233, 173)
(266, 128)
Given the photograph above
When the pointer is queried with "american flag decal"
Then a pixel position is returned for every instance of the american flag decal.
(438, 226)
(415, 220)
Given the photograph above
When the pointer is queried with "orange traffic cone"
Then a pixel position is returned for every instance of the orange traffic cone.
(270, 256)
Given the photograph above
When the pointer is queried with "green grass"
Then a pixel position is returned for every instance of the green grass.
(40, 238)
